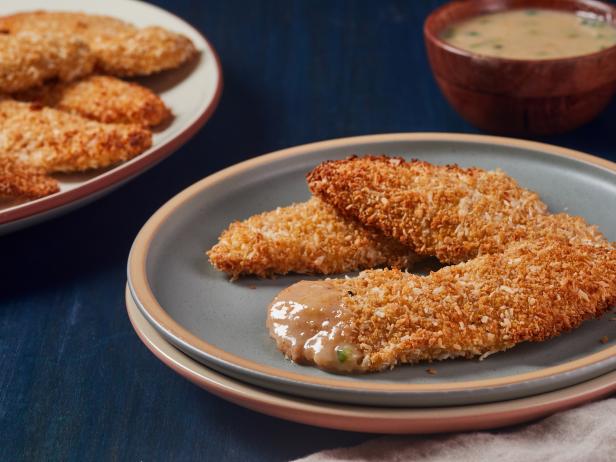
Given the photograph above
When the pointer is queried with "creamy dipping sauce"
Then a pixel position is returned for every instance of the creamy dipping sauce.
(532, 34)
(307, 320)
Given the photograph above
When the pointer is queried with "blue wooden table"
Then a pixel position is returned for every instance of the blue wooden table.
(75, 381)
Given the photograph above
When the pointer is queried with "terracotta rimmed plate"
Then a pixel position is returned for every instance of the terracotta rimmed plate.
(192, 92)
(360, 418)
(221, 324)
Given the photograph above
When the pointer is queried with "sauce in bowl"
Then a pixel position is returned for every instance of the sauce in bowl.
(532, 34)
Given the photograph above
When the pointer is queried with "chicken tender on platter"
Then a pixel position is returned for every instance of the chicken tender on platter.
(120, 48)
(446, 211)
(102, 98)
(310, 238)
(29, 59)
(531, 292)
(56, 141)
(19, 181)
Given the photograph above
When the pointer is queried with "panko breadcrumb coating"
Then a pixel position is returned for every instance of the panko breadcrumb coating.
(309, 237)
(29, 59)
(142, 52)
(102, 98)
(447, 211)
(56, 141)
(530, 292)
(18, 181)
(120, 48)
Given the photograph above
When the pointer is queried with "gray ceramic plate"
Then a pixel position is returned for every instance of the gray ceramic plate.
(364, 418)
(222, 324)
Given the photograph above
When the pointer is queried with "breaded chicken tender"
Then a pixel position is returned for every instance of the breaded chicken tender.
(19, 181)
(449, 212)
(531, 292)
(102, 98)
(29, 59)
(56, 141)
(141, 52)
(309, 237)
(120, 48)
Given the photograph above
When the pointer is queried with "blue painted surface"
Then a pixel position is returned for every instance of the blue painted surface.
(75, 381)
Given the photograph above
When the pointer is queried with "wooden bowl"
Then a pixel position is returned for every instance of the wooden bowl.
(516, 96)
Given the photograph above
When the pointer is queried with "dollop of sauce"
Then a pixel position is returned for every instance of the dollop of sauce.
(535, 33)
(309, 322)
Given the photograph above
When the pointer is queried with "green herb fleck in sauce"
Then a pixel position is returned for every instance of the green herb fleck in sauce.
(592, 23)
(343, 353)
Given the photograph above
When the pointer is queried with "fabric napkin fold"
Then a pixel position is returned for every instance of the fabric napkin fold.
(587, 433)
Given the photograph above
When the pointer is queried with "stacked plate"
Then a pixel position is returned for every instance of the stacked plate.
(213, 332)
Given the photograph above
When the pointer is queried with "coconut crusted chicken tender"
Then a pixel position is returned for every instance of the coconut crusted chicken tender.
(446, 211)
(309, 237)
(29, 59)
(531, 292)
(102, 98)
(19, 181)
(120, 48)
(56, 141)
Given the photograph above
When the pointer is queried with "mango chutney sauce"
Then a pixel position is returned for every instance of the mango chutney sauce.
(532, 34)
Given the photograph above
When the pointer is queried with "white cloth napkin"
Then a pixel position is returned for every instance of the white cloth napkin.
(584, 434)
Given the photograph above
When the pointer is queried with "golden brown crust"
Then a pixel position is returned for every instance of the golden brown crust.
(18, 181)
(56, 141)
(309, 237)
(120, 48)
(447, 211)
(102, 98)
(531, 292)
(29, 59)
(143, 52)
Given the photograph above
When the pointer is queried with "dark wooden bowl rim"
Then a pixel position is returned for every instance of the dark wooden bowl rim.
(472, 8)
